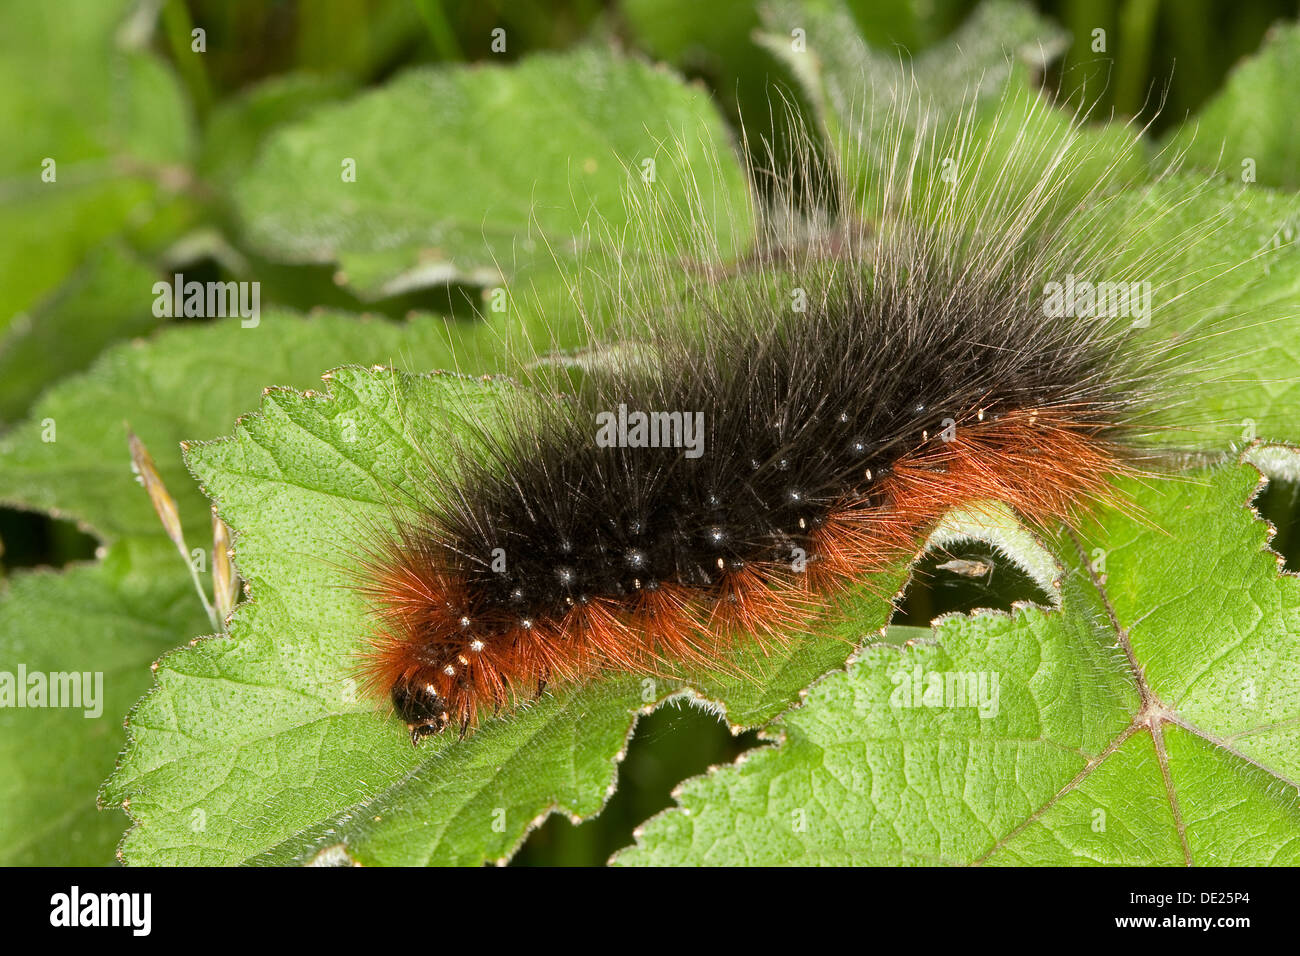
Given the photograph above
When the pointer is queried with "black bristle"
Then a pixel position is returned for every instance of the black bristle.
(932, 323)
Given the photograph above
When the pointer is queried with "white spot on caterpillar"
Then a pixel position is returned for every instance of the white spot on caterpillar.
(476, 646)
(841, 251)
(449, 670)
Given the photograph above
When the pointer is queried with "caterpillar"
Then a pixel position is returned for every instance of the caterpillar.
(753, 434)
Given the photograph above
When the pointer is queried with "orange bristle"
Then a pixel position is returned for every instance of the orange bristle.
(1042, 464)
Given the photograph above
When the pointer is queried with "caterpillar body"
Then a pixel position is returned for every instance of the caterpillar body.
(731, 460)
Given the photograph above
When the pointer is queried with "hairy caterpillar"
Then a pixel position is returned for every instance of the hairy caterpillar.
(755, 434)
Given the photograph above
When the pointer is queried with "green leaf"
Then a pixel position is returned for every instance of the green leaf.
(107, 620)
(968, 106)
(1224, 267)
(266, 732)
(112, 118)
(189, 383)
(107, 298)
(1248, 128)
(688, 33)
(913, 24)
(239, 126)
(1150, 720)
(837, 65)
(462, 173)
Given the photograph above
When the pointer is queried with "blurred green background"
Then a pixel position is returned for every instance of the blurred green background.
(1173, 51)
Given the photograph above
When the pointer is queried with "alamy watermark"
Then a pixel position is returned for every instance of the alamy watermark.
(636, 429)
(133, 911)
(208, 300)
(83, 690)
(946, 689)
(1081, 299)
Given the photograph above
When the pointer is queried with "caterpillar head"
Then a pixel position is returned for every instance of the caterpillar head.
(424, 711)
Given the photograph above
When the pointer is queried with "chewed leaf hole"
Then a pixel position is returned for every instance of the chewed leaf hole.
(1279, 504)
(961, 578)
(674, 743)
(30, 540)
